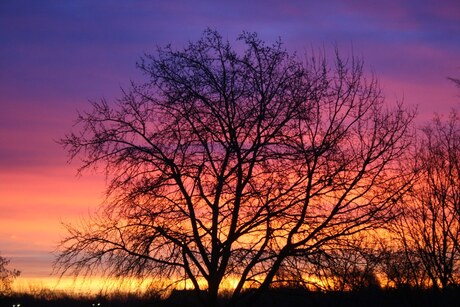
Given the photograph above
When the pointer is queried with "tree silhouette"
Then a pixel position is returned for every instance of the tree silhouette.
(431, 224)
(229, 164)
(6, 276)
(402, 268)
(347, 265)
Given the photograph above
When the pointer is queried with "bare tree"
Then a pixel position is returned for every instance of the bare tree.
(431, 224)
(7, 276)
(230, 164)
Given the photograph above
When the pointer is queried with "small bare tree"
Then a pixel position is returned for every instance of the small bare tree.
(7, 276)
(230, 165)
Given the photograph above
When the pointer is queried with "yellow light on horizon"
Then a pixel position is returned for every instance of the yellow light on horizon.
(81, 285)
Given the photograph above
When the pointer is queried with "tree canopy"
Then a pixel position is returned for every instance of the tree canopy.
(238, 163)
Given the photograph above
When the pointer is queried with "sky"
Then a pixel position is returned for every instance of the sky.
(56, 56)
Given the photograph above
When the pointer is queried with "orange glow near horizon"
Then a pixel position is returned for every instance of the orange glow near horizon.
(104, 285)
(90, 286)
(80, 286)
(34, 203)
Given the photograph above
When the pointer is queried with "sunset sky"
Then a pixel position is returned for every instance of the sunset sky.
(57, 55)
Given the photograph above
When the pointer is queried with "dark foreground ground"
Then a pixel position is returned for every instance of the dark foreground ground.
(279, 297)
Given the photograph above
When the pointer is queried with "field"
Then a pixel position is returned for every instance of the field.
(278, 297)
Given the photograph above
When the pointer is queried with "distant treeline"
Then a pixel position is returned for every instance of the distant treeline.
(272, 298)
